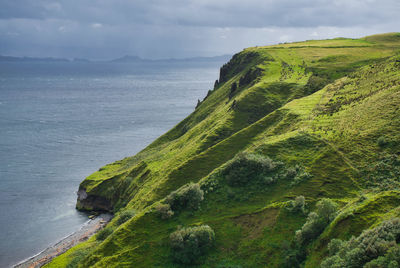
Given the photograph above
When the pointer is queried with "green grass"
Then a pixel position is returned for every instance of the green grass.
(319, 104)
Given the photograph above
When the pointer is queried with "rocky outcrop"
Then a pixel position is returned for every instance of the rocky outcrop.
(88, 202)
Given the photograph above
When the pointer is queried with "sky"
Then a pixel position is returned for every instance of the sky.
(106, 29)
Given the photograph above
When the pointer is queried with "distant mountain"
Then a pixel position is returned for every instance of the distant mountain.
(131, 59)
(30, 59)
(128, 59)
(124, 59)
(223, 58)
(80, 60)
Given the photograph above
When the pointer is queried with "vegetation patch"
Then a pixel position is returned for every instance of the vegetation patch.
(188, 197)
(370, 249)
(298, 205)
(188, 244)
(384, 174)
(317, 221)
(246, 168)
(254, 169)
(104, 233)
(125, 216)
(165, 211)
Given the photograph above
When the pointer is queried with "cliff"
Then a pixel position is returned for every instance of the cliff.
(313, 119)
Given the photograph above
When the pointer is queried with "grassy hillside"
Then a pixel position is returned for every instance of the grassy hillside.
(319, 119)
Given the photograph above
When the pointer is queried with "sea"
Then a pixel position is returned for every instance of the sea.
(62, 121)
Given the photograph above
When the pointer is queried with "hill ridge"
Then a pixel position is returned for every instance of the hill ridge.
(313, 122)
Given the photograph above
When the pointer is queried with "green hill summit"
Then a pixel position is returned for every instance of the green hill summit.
(292, 159)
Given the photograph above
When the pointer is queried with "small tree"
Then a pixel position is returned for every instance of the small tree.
(246, 167)
(188, 244)
(188, 196)
(298, 204)
(317, 221)
(165, 211)
(103, 234)
(326, 210)
(373, 248)
(125, 216)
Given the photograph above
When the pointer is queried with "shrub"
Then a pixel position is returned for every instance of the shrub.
(316, 221)
(334, 246)
(291, 172)
(165, 211)
(373, 248)
(125, 216)
(188, 196)
(381, 141)
(188, 244)
(76, 257)
(103, 234)
(300, 177)
(384, 173)
(298, 204)
(391, 259)
(293, 257)
(248, 167)
(326, 210)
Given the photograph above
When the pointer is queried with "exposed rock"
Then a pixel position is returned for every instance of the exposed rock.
(92, 202)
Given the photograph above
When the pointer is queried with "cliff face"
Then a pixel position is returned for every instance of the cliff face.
(318, 119)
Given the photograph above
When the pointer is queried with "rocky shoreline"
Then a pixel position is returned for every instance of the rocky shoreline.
(87, 230)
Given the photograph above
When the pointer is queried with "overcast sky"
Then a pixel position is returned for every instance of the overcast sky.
(104, 29)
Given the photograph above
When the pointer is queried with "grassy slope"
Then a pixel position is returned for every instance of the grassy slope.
(287, 113)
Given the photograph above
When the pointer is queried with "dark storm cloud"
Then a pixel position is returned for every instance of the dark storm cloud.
(159, 28)
(222, 13)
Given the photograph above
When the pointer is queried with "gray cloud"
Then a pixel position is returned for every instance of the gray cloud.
(178, 28)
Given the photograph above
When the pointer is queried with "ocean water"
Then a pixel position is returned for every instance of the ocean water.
(60, 122)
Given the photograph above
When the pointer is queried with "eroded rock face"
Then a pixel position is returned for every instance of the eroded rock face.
(92, 202)
(82, 194)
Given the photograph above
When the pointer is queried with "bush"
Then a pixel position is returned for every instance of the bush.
(188, 196)
(103, 234)
(165, 211)
(391, 259)
(297, 174)
(326, 210)
(291, 172)
(373, 248)
(188, 244)
(381, 141)
(298, 204)
(249, 167)
(384, 173)
(125, 216)
(316, 221)
(300, 177)
(293, 257)
(76, 257)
